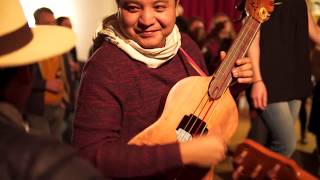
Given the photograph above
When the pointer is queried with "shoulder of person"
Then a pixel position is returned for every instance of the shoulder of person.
(42, 158)
(106, 56)
(186, 39)
(193, 50)
(108, 62)
(107, 52)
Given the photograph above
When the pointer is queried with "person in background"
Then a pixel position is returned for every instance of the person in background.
(282, 73)
(139, 55)
(72, 70)
(73, 60)
(46, 104)
(220, 37)
(197, 31)
(23, 155)
(181, 21)
(314, 125)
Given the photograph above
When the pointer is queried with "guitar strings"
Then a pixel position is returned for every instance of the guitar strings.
(243, 34)
(194, 115)
(205, 104)
(234, 51)
(213, 112)
(204, 117)
(236, 47)
(252, 27)
(232, 54)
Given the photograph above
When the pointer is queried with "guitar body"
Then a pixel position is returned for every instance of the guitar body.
(190, 96)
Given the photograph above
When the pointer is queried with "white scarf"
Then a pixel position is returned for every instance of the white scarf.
(153, 58)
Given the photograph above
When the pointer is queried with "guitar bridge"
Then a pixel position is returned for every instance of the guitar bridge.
(190, 126)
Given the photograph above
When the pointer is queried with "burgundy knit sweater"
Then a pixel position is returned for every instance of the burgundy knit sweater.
(118, 98)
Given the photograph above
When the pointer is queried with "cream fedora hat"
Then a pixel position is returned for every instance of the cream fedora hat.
(21, 45)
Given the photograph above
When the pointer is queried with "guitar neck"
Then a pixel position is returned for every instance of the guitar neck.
(222, 77)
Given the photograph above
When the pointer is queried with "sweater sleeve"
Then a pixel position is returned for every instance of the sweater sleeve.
(99, 128)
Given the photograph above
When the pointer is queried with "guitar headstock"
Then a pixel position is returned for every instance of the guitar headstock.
(259, 9)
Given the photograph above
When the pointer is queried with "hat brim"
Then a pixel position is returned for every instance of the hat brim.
(47, 41)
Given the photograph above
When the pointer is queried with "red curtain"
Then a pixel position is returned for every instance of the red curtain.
(205, 9)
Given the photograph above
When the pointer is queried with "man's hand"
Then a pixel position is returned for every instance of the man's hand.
(243, 70)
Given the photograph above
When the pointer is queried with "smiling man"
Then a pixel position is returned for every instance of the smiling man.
(137, 60)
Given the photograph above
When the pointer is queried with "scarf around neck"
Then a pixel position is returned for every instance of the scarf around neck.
(153, 58)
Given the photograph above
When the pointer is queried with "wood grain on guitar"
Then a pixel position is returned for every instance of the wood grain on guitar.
(197, 105)
(253, 161)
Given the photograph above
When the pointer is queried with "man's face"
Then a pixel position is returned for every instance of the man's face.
(147, 22)
(46, 18)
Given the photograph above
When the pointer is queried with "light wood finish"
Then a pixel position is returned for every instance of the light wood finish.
(249, 155)
(183, 99)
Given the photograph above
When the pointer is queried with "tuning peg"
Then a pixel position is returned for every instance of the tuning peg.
(237, 173)
(239, 159)
(272, 174)
(256, 171)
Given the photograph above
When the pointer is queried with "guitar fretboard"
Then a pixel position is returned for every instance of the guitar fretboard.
(222, 77)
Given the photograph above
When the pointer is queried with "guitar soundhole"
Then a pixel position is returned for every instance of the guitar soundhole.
(189, 127)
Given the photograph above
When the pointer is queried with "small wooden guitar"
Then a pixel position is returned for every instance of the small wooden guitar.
(197, 105)
(253, 161)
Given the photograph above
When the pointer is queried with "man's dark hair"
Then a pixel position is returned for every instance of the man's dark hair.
(59, 20)
(37, 13)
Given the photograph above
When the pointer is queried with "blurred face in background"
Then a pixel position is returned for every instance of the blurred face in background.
(228, 27)
(66, 23)
(227, 31)
(147, 22)
(197, 30)
(46, 18)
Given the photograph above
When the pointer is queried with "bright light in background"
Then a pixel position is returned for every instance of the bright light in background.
(85, 16)
(59, 8)
(315, 7)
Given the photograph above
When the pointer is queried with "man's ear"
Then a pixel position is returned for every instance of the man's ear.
(177, 8)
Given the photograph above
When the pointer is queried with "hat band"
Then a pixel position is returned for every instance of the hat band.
(15, 40)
